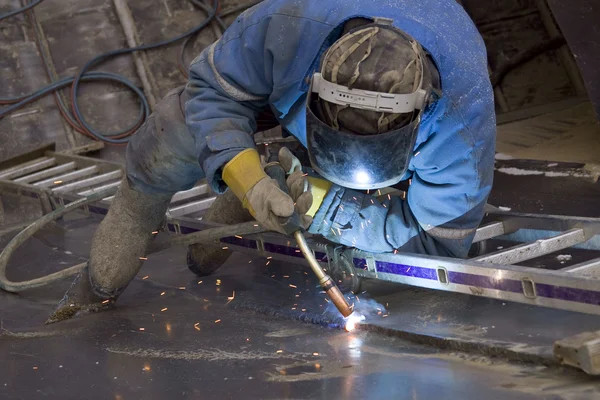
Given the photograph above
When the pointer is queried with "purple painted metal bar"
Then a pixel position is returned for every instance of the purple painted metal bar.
(406, 270)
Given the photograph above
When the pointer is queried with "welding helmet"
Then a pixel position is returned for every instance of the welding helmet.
(364, 107)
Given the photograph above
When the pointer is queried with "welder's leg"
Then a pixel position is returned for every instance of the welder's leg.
(227, 209)
(160, 162)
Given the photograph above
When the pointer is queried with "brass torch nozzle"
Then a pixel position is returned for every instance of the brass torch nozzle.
(326, 282)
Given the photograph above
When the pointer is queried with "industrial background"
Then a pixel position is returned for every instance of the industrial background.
(243, 332)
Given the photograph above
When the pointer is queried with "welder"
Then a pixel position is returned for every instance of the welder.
(377, 92)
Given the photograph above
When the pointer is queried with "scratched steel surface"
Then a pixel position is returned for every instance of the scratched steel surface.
(172, 337)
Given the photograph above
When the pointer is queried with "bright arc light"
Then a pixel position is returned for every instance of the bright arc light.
(353, 320)
(362, 177)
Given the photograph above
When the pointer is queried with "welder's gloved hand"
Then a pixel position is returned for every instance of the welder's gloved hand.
(298, 185)
(259, 193)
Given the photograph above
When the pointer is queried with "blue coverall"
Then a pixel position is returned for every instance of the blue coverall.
(267, 57)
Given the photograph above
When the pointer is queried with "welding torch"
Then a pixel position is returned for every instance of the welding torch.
(293, 227)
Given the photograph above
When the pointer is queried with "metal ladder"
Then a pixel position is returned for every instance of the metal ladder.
(57, 179)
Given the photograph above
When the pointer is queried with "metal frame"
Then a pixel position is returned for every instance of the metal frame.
(574, 288)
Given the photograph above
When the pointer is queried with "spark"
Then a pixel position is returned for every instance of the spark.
(268, 262)
(35, 367)
(418, 152)
(105, 301)
(395, 251)
(146, 368)
(378, 192)
(389, 197)
(372, 202)
(304, 310)
(250, 262)
(279, 351)
(155, 232)
(217, 321)
(293, 286)
(315, 354)
(354, 198)
(268, 258)
(327, 300)
(255, 225)
(305, 273)
(357, 299)
(306, 174)
(384, 205)
(218, 283)
(146, 277)
(197, 326)
(225, 248)
(273, 276)
(143, 258)
(293, 308)
(247, 339)
(386, 315)
(238, 236)
(57, 182)
(230, 297)
(181, 287)
(367, 191)
(163, 293)
(297, 295)
(286, 276)
(164, 309)
(297, 251)
(199, 282)
(142, 329)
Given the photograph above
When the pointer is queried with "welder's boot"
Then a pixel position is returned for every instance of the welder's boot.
(205, 259)
(117, 252)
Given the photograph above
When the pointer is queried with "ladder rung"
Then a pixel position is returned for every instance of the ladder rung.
(192, 207)
(527, 251)
(99, 188)
(489, 231)
(588, 268)
(187, 194)
(85, 183)
(27, 168)
(68, 177)
(59, 169)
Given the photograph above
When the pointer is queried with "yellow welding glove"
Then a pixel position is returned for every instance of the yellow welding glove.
(259, 194)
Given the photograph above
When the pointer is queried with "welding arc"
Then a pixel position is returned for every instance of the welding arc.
(76, 119)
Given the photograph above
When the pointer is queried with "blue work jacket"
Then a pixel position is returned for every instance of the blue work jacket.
(267, 57)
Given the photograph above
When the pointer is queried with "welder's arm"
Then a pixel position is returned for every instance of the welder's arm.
(226, 90)
(444, 206)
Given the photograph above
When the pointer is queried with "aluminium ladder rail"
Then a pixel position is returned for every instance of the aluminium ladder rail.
(57, 179)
